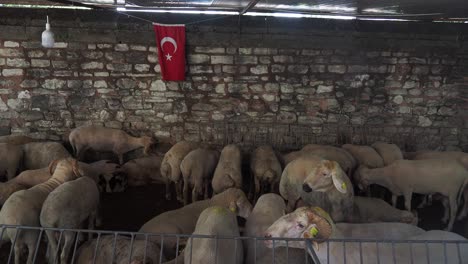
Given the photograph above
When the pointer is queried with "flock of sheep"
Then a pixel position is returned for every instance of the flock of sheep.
(317, 182)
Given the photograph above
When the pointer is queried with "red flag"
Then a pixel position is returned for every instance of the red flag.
(171, 51)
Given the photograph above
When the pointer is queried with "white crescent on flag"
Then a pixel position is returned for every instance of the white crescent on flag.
(170, 40)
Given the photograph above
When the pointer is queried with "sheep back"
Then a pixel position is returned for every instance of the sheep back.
(388, 152)
(70, 204)
(170, 165)
(38, 155)
(365, 155)
(264, 165)
(228, 172)
(216, 221)
(85, 253)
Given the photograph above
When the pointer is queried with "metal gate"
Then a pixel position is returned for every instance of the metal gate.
(144, 248)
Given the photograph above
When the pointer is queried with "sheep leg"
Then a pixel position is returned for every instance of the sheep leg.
(257, 188)
(168, 190)
(446, 205)
(195, 193)
(207, 185)
(408, 196)
(91, 223)
(186, 192)
(52, 245)
(18, 253)
(120, 156)
(453, 212)
(394, 200)
(178, 186)
(68, 238)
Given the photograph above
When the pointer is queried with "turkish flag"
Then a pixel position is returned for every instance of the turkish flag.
(171, 51)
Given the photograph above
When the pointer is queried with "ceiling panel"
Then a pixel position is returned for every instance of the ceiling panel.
(410, 9)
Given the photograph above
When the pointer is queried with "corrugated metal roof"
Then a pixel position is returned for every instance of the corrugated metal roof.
(403, 9)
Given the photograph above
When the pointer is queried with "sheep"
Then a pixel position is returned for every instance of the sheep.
(11, 155)
(317, 224)
(388, 152)
(347, 161)
(228, 173)
(17, 139)
(370, 210)
(142, 252)
(328, 178)
(24, 207)
(143, 171)
(38, 155)
(267, 210)
(215, 221)
(334, 192)
(197, 169)
(62, 209)
(403, 177)
(183, 220)
(107, 139)
(101, 171)
(365, 155)
(170, 166)
(294, 185)
(287, 158)
(461, 157)
(8, 188)
(266, 170)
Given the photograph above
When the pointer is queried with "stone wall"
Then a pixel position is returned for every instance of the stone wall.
(256, 82)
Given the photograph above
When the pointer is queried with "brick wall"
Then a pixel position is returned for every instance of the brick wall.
(277, 82)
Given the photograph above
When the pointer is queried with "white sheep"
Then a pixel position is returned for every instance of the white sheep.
(143, 171)
(267, 210)
(317, 224)
(170, 166)
(347, 161)
(101, 171)
(335, 194)
(24, 207)
(405, 177)
(62, 209)
(183, 220)
(388, 152)
(197, 170)
(265, 169)
(461, 157)
(17, 139)
(215, 221)
(142, 251)
(365, 155)
(39, 155)
(107, 139)
(11, 156)
(324, 184)
(228, 173)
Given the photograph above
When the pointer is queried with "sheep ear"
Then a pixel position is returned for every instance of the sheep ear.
(52, 166)
(233, 207)
(338, 181)
(76, 169)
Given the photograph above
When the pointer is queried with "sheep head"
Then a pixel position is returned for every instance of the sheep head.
(147, 143)
(325, 176)
(236, 200)
(304, 222)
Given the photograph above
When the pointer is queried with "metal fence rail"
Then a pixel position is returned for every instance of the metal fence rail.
(145, 248)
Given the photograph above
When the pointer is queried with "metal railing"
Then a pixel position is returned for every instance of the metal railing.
(122, 247)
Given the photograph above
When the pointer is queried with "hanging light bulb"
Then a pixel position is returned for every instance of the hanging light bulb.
(48, 36)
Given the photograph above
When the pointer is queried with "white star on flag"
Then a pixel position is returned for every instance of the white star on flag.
(168, 57)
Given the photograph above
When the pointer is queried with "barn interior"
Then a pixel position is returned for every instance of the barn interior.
(257, 72)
